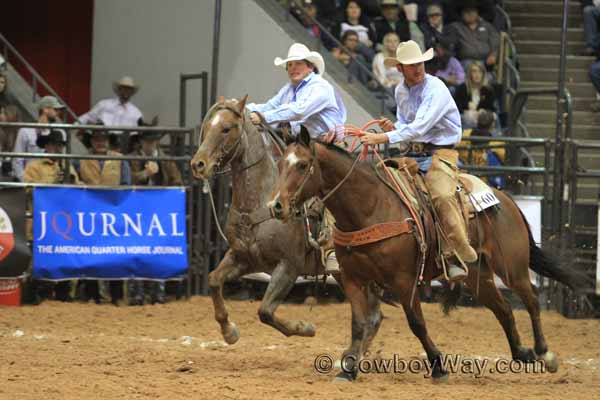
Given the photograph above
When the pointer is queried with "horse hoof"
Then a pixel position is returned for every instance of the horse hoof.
(344, 377)
(307, 329)
(441, 379)
(310, 301)
(550, 361)
(231, 334)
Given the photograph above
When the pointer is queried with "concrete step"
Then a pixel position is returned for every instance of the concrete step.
(550, 75)
(584, 89)
(548, 130)
(549, 103)
(549, 116)
(552, 61)
(545, 20)
(553, 7)
(547, 47)
(546, 33)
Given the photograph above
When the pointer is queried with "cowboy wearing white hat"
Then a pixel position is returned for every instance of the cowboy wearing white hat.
(429, 119)
(307, 100)
(119, 111)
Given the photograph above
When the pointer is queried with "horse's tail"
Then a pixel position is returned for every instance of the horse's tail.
(544, 264)
(449, 297)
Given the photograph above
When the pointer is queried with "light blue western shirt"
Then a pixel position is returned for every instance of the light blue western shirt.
(426, 113)
(314, 103)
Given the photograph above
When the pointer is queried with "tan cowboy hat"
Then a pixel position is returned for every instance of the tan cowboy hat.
(408, 53)
(125, 81)
(298, 52)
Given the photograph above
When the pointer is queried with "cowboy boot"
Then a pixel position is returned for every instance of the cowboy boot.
(331, 264)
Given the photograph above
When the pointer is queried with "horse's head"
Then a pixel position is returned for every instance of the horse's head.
(220, 137)
(299, 177)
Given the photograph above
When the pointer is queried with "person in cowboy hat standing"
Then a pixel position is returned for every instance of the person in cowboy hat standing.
(307, 100)
(428, 117)
(118, 111)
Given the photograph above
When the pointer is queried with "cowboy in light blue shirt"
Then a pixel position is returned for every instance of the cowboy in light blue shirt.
(428, 115)
(307, 100)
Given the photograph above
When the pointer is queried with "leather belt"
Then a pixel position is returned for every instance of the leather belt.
(420, 149)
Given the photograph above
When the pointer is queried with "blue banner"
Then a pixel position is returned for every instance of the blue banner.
(109, 234)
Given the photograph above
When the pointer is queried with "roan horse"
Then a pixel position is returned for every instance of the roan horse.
(505, 246)
(258, 242)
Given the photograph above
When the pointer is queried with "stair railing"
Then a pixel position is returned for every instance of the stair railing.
(9, 52)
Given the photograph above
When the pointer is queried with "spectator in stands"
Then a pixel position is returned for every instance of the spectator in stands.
(352, 59)
(119, 110)
(306, 11)
(393, 19)
(355, 21)
(48, 170)
(474, 39)
(591, 14)
(595, 77)
(7, 138)
(25, 142)
(474, 95)
(433, 29)
(474, 154)
(388, 77)
(151, 173)
(6, 98)
(109, 173)
(445, 66)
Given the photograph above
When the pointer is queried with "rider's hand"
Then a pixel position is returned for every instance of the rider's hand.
(374, 138)
(255, 118)
(386, 124)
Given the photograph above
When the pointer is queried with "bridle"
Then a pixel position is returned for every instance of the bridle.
(226, 156)
(310, 171)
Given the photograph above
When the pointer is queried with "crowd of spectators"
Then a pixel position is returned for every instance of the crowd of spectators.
(116, 111)
(360, 34)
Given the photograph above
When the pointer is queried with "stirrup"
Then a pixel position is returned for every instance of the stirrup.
(456, 273)
(331, 264)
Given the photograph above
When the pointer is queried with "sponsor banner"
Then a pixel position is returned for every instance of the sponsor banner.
(15, 254)
(109, 234)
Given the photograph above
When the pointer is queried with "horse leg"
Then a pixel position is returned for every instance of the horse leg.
(227, 270)
(359, 304)
(414, 315)
(282, 281)
(490, 296)
(374, 315)
(528, 295)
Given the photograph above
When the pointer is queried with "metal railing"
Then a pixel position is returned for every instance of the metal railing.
(9, 50)
(199, 220)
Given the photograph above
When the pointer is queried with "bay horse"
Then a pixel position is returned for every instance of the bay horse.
(358, 199)
(258, 242)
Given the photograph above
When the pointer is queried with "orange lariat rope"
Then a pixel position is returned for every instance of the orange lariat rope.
(357, 133)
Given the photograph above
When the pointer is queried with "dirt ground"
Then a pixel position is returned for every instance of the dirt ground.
(84, 351)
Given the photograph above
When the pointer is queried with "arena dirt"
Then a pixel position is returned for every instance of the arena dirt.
(175, 351)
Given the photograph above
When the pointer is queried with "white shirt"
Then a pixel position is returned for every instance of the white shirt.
(24, 143)
(112, 113)
(388, 77)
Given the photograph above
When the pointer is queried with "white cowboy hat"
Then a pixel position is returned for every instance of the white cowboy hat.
(125, 81)
(408, 53)
(298, 52)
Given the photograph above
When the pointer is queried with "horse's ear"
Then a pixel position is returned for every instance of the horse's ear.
(221, 99)
(304, 136)
(242, 103)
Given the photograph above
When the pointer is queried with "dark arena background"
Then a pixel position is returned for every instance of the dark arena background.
(111, 229)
